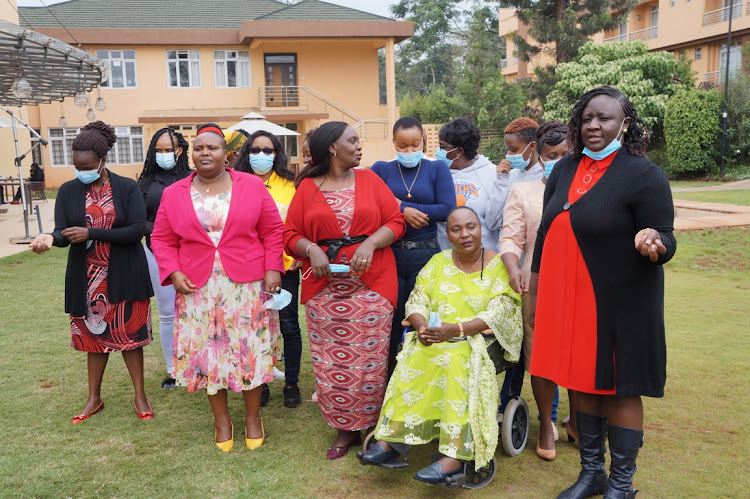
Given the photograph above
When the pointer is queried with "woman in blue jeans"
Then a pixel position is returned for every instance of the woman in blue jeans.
(425, 192)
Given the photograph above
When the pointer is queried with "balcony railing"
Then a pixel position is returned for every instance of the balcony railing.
(618, 38)
(721, 15)
(510, 61)
(306, 99)
(717, 77)
(644, 34)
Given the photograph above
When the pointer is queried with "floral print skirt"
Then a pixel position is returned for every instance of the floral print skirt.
(223, 336)
(428, 399)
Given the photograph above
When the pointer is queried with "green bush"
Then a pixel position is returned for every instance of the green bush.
(691, 129)
(738, 122)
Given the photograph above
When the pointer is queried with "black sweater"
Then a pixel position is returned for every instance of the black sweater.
(127, 277)
(631, 195)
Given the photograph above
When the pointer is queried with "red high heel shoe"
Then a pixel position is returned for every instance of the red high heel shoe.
(80, 418)
(149, 414)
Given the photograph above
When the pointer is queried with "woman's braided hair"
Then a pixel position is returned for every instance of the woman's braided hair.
(150, 168)
(97, 137)
(550, 133)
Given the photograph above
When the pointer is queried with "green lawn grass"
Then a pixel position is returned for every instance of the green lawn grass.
(51, 192)
(696, 436)
(741, 197)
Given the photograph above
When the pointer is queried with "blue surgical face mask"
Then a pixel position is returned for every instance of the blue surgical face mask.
(443, 155)
(548, 165)
(89, 176)
(613, 146)
(279, 300)
(261, 163)
(516, 160)
(166, 160)
(410, 159)
(337, 267)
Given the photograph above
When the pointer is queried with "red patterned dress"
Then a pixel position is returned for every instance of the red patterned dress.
(107, 327)
(349, 330)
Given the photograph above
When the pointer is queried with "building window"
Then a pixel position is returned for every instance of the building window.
(672, 3)
(127, 150)
(184, 68)
(735, 61)
(232, 68)
(290, 142)
(698, 54)
(121, 68)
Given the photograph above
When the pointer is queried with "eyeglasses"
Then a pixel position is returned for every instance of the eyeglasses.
(265, 150)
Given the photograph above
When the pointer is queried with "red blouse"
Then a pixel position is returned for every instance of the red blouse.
(310, 217)
(565, 330)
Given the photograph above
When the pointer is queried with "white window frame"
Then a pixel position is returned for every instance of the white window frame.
(193, 59)
(221, 72)
(127, 136)
(122, 60)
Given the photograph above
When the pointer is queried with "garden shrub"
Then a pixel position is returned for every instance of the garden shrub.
(691, 129)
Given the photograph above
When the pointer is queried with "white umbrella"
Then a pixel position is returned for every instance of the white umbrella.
(252, 122)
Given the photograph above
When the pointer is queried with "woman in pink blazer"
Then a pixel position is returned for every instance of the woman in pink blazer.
(217, 235)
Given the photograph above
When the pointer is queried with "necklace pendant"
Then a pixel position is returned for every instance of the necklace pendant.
(408, 196)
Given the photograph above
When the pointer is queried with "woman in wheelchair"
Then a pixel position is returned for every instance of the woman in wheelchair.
(444, 386)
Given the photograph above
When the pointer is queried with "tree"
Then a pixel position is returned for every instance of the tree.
(427, 58)
(565, 25)
(649, 79)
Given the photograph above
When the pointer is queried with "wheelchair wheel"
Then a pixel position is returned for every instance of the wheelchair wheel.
(476, 478)
(515, 427)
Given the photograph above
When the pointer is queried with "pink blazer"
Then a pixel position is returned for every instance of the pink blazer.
(250, 243)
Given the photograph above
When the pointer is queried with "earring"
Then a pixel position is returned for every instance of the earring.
(624, 130)
(226, 162)
(334, 153)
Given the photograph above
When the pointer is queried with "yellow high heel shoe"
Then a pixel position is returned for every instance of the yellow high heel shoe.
(254, 443)
(227, 445)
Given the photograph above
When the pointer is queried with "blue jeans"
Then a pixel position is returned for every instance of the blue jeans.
(290, 331)
(408, 264)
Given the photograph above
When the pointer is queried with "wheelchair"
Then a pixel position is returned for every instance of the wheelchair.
(514, 431)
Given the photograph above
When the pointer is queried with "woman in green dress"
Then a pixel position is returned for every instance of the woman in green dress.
(444, 386)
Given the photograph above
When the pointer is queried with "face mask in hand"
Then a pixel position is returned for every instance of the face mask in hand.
(279, 300)
(336, 268)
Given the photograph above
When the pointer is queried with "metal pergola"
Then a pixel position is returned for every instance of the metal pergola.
(36, 69)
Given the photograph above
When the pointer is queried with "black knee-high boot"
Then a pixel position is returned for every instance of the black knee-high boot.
(592, 479)
(624, 444)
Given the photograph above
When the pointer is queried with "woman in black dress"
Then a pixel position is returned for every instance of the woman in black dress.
(605, 232)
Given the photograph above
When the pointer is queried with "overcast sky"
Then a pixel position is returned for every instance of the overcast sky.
(379, 7)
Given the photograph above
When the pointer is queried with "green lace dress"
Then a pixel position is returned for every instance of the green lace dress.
(448, 391)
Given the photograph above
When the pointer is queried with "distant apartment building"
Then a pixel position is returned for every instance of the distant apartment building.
(696, 27)
(180, 63)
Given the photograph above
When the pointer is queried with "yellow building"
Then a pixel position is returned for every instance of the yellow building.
(696, 27)
(180, 63)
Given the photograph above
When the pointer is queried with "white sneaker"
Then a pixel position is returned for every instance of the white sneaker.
(278, 374)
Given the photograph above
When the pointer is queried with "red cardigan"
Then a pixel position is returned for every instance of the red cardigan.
(374, 207)
(250, 242)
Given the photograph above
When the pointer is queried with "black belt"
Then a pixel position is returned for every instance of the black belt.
(334, 245)
(426, 244)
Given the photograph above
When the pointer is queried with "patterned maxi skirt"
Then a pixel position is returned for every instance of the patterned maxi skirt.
(349, 329)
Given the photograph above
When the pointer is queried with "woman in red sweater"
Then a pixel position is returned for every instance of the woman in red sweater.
(347, 217)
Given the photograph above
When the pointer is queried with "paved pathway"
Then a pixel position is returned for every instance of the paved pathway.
(729, 186)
